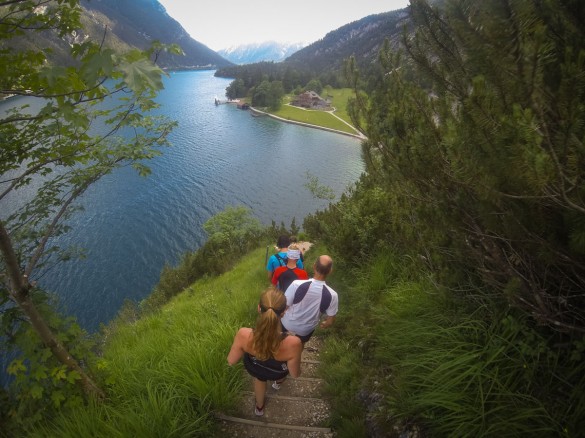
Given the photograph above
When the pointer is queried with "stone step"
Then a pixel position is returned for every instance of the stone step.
(241, 427)
(310, 368)
(299, 387)
(310, 352)
(286, 410)
(294, 411)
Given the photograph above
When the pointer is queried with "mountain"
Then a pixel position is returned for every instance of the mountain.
(138, 22)
(258, 52)
(123, 25)
(362, 38)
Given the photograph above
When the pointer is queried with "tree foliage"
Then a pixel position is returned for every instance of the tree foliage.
(248, 78)
(477, 132)
(314, 85)
(70, 126)
(231, 233)
(268, 94)
(236, 89)
(474, 193)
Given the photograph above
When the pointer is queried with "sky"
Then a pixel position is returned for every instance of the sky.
(220, 24)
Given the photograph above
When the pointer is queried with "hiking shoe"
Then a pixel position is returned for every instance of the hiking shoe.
(259, 411)
(276, 385)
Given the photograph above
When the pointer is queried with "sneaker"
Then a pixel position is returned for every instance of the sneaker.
(276, 385)
(259, 411)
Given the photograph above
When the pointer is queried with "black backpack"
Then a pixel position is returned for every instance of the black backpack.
(302, 291)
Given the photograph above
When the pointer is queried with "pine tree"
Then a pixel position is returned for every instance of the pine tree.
(476, 131)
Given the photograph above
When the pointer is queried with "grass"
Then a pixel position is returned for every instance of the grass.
(339, 98)
(436, 364)
(401, 353)
(321, 118)
(167, 373)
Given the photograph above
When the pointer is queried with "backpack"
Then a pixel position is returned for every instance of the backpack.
(282, 261)
(302, 291)
(286, 277)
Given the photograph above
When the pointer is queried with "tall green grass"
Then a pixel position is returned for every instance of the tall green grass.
(456, 374)
(449, 368)
(167, 372)
(344, 378)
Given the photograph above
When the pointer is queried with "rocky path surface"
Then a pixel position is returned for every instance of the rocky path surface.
(296, 410)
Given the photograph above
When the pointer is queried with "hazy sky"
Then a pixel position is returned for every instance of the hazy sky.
(223, 23)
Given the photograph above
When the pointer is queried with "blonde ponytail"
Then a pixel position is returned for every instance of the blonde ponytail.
(268, 331)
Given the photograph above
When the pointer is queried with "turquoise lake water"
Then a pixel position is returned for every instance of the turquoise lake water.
(221, 156)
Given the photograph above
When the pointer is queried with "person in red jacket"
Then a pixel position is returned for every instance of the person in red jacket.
(284, 275)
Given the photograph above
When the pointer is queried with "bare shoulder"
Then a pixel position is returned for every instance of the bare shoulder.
(243, 335)
(244, 332)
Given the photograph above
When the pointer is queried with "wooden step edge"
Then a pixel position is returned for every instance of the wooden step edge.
(287, 397)
(316, 362)
(273, 425)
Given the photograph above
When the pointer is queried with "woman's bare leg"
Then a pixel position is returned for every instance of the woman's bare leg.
(259, 392)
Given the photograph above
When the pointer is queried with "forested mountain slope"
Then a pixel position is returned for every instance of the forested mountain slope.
(122, 26)
(362, 39)
(139, 22)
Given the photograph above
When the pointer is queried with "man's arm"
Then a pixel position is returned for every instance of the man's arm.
(327, 322)
(269, 268)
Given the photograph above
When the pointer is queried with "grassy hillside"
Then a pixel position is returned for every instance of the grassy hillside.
(167, 373)
(402, 357)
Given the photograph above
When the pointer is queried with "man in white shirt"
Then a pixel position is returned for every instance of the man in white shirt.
(308, 299)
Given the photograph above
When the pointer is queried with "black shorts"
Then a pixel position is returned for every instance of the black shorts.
(303, 338)
(261, 371)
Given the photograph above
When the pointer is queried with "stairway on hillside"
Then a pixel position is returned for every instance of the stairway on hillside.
(296, 410)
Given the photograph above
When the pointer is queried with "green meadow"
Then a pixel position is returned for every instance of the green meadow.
(321, 118)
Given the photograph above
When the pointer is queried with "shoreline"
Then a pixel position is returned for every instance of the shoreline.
(309, 125)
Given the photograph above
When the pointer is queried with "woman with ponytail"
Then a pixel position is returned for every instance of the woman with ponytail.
(269, 354)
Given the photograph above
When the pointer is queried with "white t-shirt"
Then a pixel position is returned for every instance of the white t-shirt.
(302, 318)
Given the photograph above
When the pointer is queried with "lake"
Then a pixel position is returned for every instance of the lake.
(221, 156)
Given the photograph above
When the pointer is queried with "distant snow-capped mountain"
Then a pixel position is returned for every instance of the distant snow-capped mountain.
(257, 52)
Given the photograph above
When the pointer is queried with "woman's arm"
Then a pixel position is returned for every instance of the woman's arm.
(240, 341)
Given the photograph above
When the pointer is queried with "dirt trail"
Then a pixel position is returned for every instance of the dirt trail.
(296, 410)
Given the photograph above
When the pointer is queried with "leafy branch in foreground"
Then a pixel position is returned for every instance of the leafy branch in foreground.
(76, 124)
